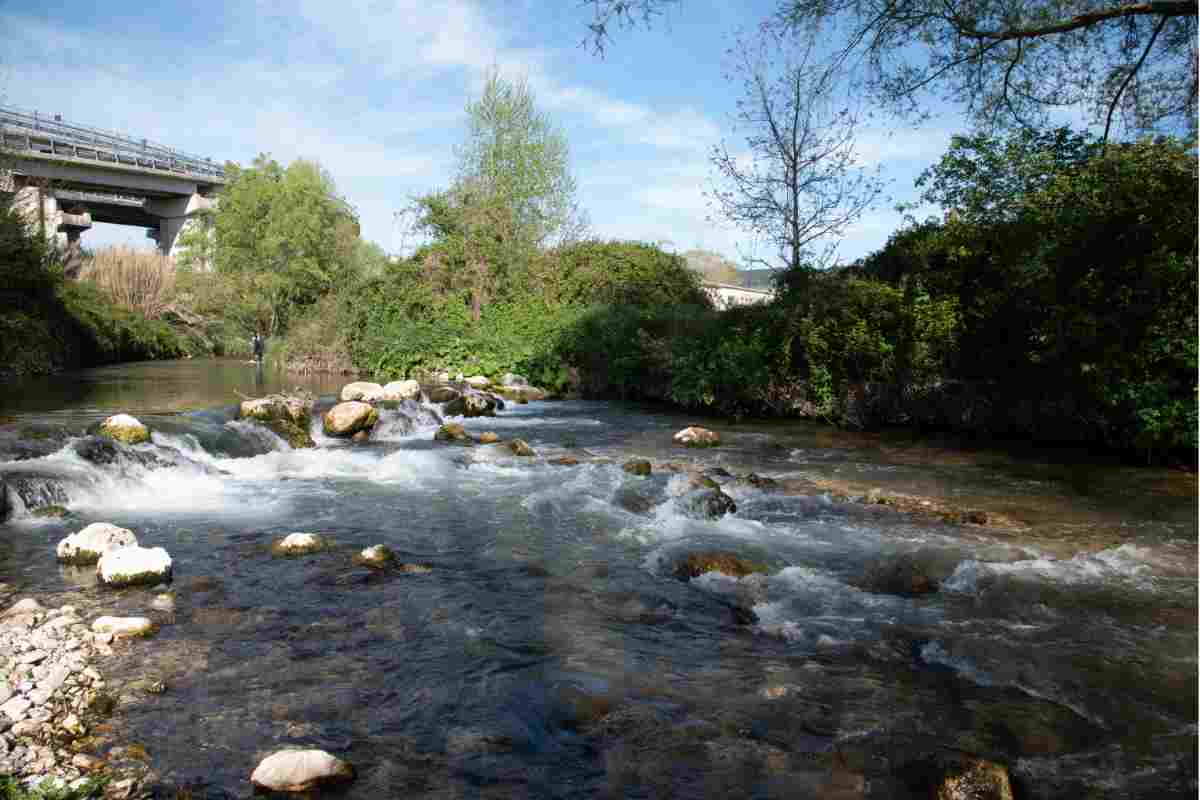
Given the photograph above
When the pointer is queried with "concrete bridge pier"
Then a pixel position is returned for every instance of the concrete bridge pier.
(174, 214)
(73, 224)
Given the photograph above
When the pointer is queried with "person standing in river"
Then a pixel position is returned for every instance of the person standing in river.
(258, 344)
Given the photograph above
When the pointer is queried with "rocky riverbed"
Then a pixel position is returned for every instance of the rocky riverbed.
(54, 698)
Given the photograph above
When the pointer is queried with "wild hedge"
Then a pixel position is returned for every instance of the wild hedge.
(48, 323)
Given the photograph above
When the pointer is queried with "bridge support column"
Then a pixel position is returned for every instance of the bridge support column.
(39, 209)
(174, 215)
(73, 224)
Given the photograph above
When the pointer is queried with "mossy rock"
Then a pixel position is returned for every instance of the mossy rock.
(520, 447)
(51, 512)
(296, 436)
(696, 564)
(757, 481)
(637, 466)
(451, 432)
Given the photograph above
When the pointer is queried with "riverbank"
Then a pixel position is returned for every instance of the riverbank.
(54, 701)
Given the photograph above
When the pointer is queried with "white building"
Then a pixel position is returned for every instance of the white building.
(728, 295)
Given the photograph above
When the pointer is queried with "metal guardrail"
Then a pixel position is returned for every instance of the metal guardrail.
(31, 131)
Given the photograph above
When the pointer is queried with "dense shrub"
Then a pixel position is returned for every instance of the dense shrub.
(47, 323)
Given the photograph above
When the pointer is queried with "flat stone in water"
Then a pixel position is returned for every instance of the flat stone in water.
(121, 627)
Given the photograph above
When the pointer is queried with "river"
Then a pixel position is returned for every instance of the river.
(549, 651)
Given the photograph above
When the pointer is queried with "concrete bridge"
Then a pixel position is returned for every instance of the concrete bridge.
(67, 176)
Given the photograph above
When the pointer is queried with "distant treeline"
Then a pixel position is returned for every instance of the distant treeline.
(1056, 301)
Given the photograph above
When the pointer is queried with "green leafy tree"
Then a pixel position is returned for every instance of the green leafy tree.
(985, 178)
(282, 237)
(513, 194)
(1009, 61)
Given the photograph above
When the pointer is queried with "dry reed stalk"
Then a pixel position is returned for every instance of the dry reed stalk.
(140, 280)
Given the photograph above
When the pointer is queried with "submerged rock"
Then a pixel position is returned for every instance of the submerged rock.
(123, 627)
(89, 544)
(131, 566)
(347, 419)
(565, 461)
(377, 555)
(695, 436)
(299, 544)
(633, 501)
(905, 575)
(520, 447)
(361, 390)
(299, 771)
(757, 481)
(637, 466)
(125, 428)
(707, 504)
(693, 565)
(488, 437)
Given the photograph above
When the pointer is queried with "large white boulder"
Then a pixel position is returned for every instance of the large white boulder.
(296, 544)
(121, 627)
(347, 419)
(361, 390)
(129, 566)
(86, 546)
(401, 390)
(125, 428)
(695, 436)
(299, 771)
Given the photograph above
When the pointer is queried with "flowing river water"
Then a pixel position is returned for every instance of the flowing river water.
(549, 651)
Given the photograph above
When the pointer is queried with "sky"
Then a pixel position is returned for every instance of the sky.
(376, 90)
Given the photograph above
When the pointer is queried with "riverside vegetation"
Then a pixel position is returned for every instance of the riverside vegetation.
(1054, 301)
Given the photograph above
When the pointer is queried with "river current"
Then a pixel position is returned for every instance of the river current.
(550, 651)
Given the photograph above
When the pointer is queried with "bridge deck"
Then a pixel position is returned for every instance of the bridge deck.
(33, 134)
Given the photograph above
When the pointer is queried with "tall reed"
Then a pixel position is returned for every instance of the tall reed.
(140, 280)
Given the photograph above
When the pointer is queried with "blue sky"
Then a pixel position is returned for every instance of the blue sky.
(375, 91)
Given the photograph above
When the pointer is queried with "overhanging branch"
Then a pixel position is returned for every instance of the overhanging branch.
(1161, 8)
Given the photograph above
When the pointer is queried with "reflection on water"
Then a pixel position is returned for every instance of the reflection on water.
(548, 651)
(154, 387)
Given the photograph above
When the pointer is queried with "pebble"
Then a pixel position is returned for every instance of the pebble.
(49, 680)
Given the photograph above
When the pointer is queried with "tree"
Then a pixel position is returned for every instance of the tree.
(1010, 61)
(987, 178)
(513, 194)
(282, 236)
(801, 182)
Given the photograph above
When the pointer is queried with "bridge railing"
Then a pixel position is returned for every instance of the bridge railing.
(22, 129)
